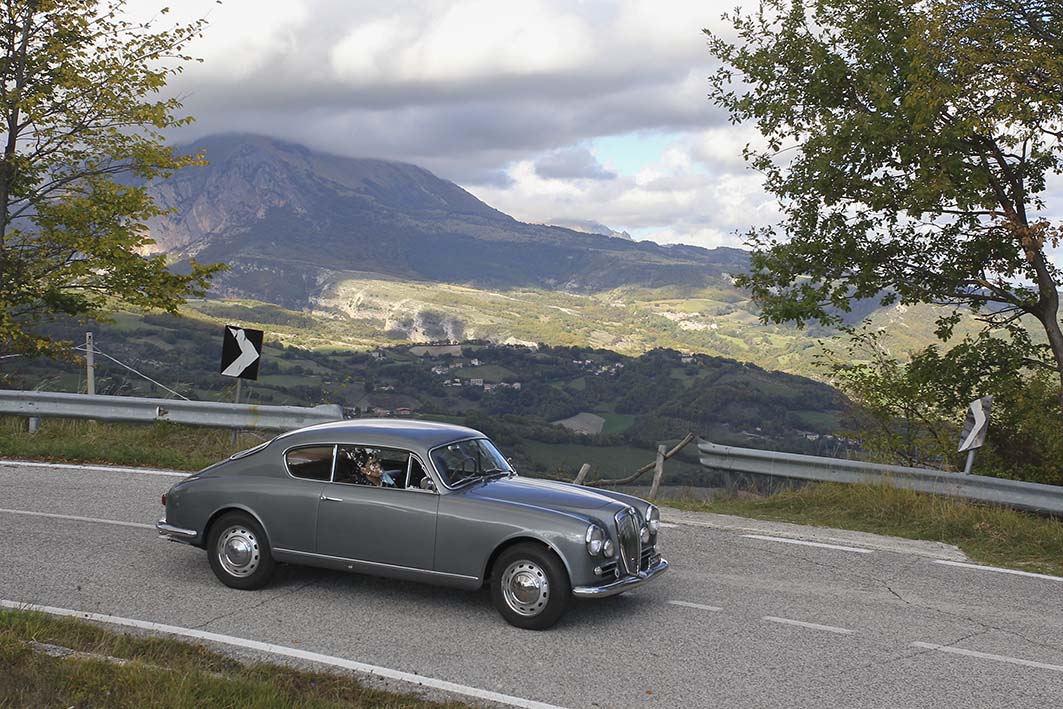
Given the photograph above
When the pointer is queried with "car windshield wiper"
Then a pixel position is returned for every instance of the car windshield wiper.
(466, 478)
(482, 475)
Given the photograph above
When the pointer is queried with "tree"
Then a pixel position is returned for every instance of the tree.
(910, 412)
(908, 142)
(82, 124)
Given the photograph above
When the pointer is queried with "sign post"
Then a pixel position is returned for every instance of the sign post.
(974, 429)
(241, 352)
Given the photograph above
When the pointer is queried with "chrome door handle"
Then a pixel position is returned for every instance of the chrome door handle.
(331, 499)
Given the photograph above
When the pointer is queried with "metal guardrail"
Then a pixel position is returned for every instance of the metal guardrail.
(1013, 493)
(36, 404)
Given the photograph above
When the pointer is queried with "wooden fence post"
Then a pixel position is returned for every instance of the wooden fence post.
(584, 470)
(658, 471)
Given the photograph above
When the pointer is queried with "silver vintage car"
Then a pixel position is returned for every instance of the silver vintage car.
(419, 501)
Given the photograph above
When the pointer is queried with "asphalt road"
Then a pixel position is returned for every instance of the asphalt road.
(742, 619)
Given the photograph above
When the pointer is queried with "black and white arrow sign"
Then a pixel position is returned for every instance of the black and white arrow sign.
(974, 428)
(241, 352)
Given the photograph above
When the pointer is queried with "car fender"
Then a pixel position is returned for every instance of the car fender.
(229, 507)
(522, 536)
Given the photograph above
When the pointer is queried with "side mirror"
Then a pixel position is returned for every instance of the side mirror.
(427, 484)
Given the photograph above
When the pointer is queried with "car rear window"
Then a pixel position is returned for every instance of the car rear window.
(312, 463)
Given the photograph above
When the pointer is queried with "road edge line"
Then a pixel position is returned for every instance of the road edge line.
(94, 467)
(284, 651)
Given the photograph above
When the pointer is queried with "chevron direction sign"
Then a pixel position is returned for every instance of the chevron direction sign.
(974, 428)
(240, 352)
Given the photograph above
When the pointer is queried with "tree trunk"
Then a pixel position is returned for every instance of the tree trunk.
(1048, 314)
(7, 168)
(1055, 341)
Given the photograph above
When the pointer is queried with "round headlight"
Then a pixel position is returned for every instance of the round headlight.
(595, 536)
(608, 548)
(653, 519)
(644, 535)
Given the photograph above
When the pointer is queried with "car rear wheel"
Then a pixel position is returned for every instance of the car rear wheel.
(529, 586)
(239, 553)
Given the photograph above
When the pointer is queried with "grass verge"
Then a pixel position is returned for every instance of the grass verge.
(157, 445)
(161, 673)
(993, 535)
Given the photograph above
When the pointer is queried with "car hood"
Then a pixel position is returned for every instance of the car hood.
(542, 493)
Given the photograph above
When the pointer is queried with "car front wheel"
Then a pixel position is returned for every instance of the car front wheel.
(530, 586)
(239, 553)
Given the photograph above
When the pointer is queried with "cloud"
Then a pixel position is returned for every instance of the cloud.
(572, 163)
(674, 199)
(506, 99)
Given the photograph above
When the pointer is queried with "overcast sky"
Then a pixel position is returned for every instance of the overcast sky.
(550, 110)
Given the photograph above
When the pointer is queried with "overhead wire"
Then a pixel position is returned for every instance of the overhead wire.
(84, 348)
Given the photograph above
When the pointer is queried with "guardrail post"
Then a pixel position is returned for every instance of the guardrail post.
(34, 424)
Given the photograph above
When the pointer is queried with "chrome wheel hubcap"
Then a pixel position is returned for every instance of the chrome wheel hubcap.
(238, 551)
(525, 588)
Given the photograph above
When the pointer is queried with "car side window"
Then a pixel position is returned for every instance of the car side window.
(312, 463)
(375, 467)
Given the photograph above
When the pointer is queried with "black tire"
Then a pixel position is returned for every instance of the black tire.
(529, 586)
(246, 563)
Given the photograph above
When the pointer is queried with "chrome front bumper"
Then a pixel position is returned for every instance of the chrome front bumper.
(175, 534)
(627, 583)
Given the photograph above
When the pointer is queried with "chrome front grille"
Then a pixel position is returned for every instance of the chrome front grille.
(627, 529)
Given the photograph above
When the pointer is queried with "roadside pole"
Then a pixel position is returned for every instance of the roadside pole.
(970, 462)
(90, 366)
(239, 381)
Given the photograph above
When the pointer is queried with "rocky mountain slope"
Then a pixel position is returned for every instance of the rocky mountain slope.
(292, 223)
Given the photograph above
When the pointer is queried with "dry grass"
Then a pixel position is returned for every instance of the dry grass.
(994, 535)
(163, 673)
(158, 445)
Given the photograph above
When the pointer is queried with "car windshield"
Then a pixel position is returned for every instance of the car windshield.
(469, 460)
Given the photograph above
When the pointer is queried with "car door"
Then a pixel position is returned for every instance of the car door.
(367, 513)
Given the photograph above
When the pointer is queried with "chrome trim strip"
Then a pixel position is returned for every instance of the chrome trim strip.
(172, 532)
(628, 583)
(376, 563)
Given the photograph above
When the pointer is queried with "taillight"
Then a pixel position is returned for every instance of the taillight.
(164, 499)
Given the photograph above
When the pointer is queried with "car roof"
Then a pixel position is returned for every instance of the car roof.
(394, 433)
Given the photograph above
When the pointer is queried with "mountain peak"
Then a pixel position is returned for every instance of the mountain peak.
(290, 221)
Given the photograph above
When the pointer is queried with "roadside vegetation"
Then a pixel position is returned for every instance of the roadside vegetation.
(988, 534)
(120, 670)
(157, 445)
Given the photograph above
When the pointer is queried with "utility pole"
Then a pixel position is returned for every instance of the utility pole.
(90, 366)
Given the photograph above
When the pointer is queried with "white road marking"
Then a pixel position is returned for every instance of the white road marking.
(813, 626)
(95, 468)
(687, 604)
(988, 656)
(285, 651)
(979, 567)
(786, 540)
(75, 518)
(669, 525)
